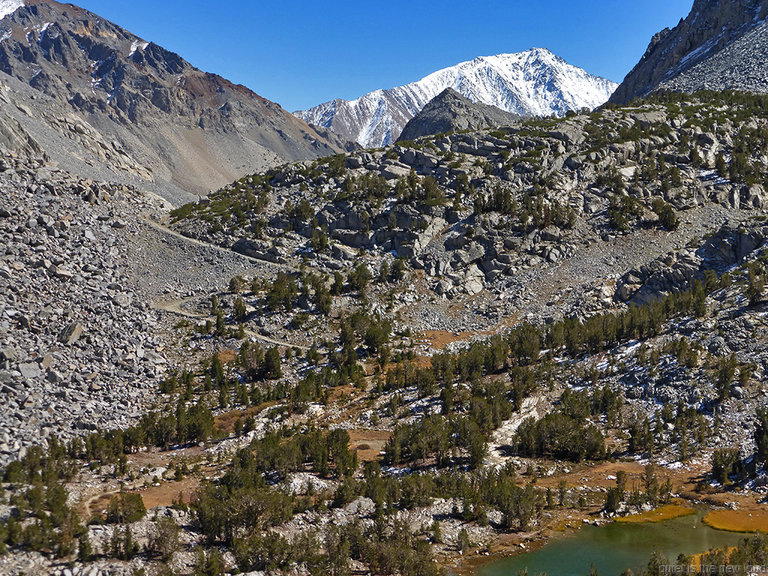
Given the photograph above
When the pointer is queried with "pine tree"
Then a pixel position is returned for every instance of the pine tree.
(239, 310)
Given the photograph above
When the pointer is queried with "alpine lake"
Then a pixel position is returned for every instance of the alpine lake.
(614, 547)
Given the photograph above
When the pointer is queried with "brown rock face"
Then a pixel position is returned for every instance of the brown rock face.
(187, 130)
(711, 27)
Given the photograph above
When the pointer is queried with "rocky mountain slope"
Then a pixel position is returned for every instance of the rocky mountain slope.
(77, 345)
(627, 248)
(152, 116)
(720, 45)
(434, 351)
(531, 83)
(85, 278)
(449, 111)
(497, 211)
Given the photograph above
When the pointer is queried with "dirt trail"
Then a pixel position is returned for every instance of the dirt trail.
(176, 307)
(165, 230)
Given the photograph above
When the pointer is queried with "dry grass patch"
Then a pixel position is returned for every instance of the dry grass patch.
(347, 391)
(439, 339)
(227, 356)
(368, 443)
(226, 421)
(168, 492)
(746, 520)
(97, 506)
(666, 512)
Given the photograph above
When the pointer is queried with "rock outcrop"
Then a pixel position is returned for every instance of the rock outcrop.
(722, 44)
(469, 209)
(449, 111)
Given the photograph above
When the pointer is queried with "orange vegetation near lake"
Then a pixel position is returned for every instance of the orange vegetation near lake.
(666, 512)
(744, 520)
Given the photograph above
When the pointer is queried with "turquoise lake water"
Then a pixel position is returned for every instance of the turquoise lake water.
(615, 547)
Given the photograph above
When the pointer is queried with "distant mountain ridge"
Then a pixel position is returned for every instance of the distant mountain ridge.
(721, 44)
(530, 83)
(449, 111)
(156, 117)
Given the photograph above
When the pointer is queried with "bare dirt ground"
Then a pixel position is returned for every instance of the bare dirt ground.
(169, 492)
(226, 421)
(440, 339)
(368, 443)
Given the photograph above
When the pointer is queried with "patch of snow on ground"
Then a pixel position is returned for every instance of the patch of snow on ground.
(137, 45)
(8, 7)
(695, 54)
(533, 407)
(629, 349)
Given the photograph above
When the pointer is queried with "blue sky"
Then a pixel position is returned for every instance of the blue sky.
(303, 52)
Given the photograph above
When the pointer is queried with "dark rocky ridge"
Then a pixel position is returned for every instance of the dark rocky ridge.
(449, 111)
(719, 45)
(186, 130)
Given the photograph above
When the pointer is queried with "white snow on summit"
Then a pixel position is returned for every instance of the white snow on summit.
(8, 7)
(530, 83)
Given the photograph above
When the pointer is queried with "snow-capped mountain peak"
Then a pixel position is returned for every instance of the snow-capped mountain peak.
(8, 7)
(531, 83)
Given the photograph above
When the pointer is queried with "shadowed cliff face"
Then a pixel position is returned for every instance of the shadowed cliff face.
(686, 52)
(190, 129)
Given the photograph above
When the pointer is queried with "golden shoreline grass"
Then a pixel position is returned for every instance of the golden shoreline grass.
(666, 512)
(749, 520)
